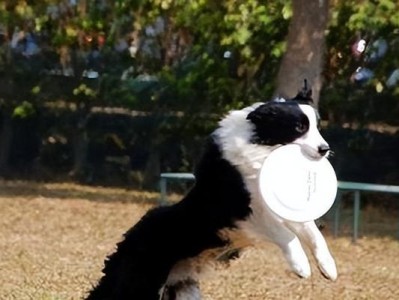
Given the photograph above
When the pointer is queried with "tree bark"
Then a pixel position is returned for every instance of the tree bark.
(304, 56)
(82, 8)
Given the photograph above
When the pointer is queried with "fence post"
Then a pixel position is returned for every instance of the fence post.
(356, 216)
(337, 212)
(162, 185)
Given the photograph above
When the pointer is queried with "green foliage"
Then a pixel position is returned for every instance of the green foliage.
(84, 92)
(24, 110)
(206, 80)
(198, 77)
(185, 63)
(348, 101)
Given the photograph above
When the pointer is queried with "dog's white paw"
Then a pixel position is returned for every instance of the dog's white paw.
(328, 268)
(302, 270)
(296, 258)
(182, 290)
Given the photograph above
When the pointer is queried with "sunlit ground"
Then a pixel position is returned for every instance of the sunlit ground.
(54, 237)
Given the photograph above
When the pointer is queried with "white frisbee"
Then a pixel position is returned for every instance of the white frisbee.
(296, 187)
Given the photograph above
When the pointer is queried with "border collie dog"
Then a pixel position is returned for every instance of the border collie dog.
(162, 256)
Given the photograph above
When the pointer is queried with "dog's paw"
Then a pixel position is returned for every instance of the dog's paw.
(328, 268)
(299, 264)
(302, 270)
(296, 258)
(182, 290)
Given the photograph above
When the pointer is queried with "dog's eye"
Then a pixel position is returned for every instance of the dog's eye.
(301, 127)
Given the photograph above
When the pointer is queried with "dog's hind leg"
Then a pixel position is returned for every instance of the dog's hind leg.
(183, 290)
(310, 234)
(182, 282)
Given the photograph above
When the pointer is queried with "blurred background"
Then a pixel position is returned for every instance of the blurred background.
(114, 92)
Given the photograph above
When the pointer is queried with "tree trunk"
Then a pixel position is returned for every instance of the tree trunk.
(305, 49)
(82, 8)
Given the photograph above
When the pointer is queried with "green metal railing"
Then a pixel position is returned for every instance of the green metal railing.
(357, 188)
(343, 187)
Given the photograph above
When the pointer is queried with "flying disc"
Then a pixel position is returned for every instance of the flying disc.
(296, 187)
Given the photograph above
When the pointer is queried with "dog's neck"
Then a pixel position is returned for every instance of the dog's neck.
(234, 135)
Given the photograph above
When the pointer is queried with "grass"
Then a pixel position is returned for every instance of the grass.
(54, 238)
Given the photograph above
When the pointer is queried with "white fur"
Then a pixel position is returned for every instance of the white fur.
(235, 133)
(187, 292)
(312, 139)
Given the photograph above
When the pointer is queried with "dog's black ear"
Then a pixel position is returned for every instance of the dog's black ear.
(305, 94)
(264, 113)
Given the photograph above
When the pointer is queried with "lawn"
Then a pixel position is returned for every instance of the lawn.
(54, 237)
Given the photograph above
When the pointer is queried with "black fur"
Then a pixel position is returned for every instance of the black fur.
(304, 95)
(278, 123)
(139, 267)
(165, 235)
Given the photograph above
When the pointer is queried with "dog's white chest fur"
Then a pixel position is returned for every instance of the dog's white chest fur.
(223, 209)
(234, 135)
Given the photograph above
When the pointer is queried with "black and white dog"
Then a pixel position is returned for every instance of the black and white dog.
(162, 256)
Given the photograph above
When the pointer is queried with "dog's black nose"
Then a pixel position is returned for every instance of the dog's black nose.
(323, 149)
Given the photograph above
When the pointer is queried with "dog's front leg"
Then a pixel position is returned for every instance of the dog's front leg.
(264, 225)
(296, 256)
(311, 235)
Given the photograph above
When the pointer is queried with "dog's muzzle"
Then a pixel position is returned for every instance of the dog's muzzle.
(323, 149)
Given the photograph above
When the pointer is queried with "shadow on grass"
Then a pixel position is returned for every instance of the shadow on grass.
(31, 189)
(374, 221)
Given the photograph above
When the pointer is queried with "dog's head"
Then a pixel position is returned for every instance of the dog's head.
(293, 121)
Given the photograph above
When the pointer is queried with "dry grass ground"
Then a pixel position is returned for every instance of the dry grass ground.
(54, 237)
